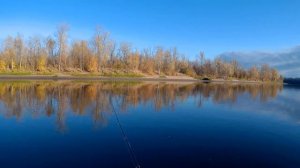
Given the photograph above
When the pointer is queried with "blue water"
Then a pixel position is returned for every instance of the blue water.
(73, 124)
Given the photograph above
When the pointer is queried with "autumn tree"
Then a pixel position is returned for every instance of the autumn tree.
(219, 68)
(199, 64)
(2, 62)
(174, 62)
(19, 49)
(235, 66)
(76, 56)
(254, 73)
(50, 44)
(102, 47)
(41, 62)
(134, 60)
(275, 75)
(62, 38)
(125, 53)
(168, 64)
(265, 73)
(147, 63)
(34, 51)
(159, 59)
(9, 53)
(183, 65)
(81, 57)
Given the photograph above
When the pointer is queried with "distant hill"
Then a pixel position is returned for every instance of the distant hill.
(286, 61)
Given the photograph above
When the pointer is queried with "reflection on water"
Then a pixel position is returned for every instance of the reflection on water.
(73, 124)
(58, 98)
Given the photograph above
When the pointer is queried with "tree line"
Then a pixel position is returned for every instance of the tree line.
(101, 54)
(294, 81)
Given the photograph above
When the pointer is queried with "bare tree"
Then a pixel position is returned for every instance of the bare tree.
(125, 51)
(35, 51)
(50, 45)
(101, 46)
(19, 49)
(9, 52)
(62, 38)
(265, 72)
(202, 58)
(254, 73)
(159, 59)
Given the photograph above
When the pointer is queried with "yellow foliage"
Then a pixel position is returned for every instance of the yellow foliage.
(41, 64)
(92, 64)
(2, 65)
(91, 91)
(40, 92)
(190, 72)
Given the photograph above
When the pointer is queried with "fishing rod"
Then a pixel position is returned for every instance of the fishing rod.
(125, 137)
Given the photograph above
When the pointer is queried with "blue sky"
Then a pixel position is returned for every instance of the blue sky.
(213, 26)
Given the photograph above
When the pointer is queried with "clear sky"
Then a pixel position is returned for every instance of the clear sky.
(213, 26)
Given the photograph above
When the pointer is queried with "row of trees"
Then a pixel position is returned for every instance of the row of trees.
(221, 69)
(102, 54)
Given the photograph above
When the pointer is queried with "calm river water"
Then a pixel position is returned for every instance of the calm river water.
(118, 124)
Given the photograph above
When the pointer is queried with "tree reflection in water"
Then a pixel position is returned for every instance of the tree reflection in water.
(42, 98)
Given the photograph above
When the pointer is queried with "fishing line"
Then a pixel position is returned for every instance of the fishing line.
(125, 138)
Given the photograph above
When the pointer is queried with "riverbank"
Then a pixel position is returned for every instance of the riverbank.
(108, 78)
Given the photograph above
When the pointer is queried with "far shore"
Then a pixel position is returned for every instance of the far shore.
(108, 78)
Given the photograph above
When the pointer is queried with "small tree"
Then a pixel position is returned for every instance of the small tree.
(41, 63)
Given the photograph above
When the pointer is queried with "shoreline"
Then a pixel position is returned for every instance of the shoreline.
(107, 78)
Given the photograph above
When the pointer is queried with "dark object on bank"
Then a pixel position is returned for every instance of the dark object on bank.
(206, 80)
